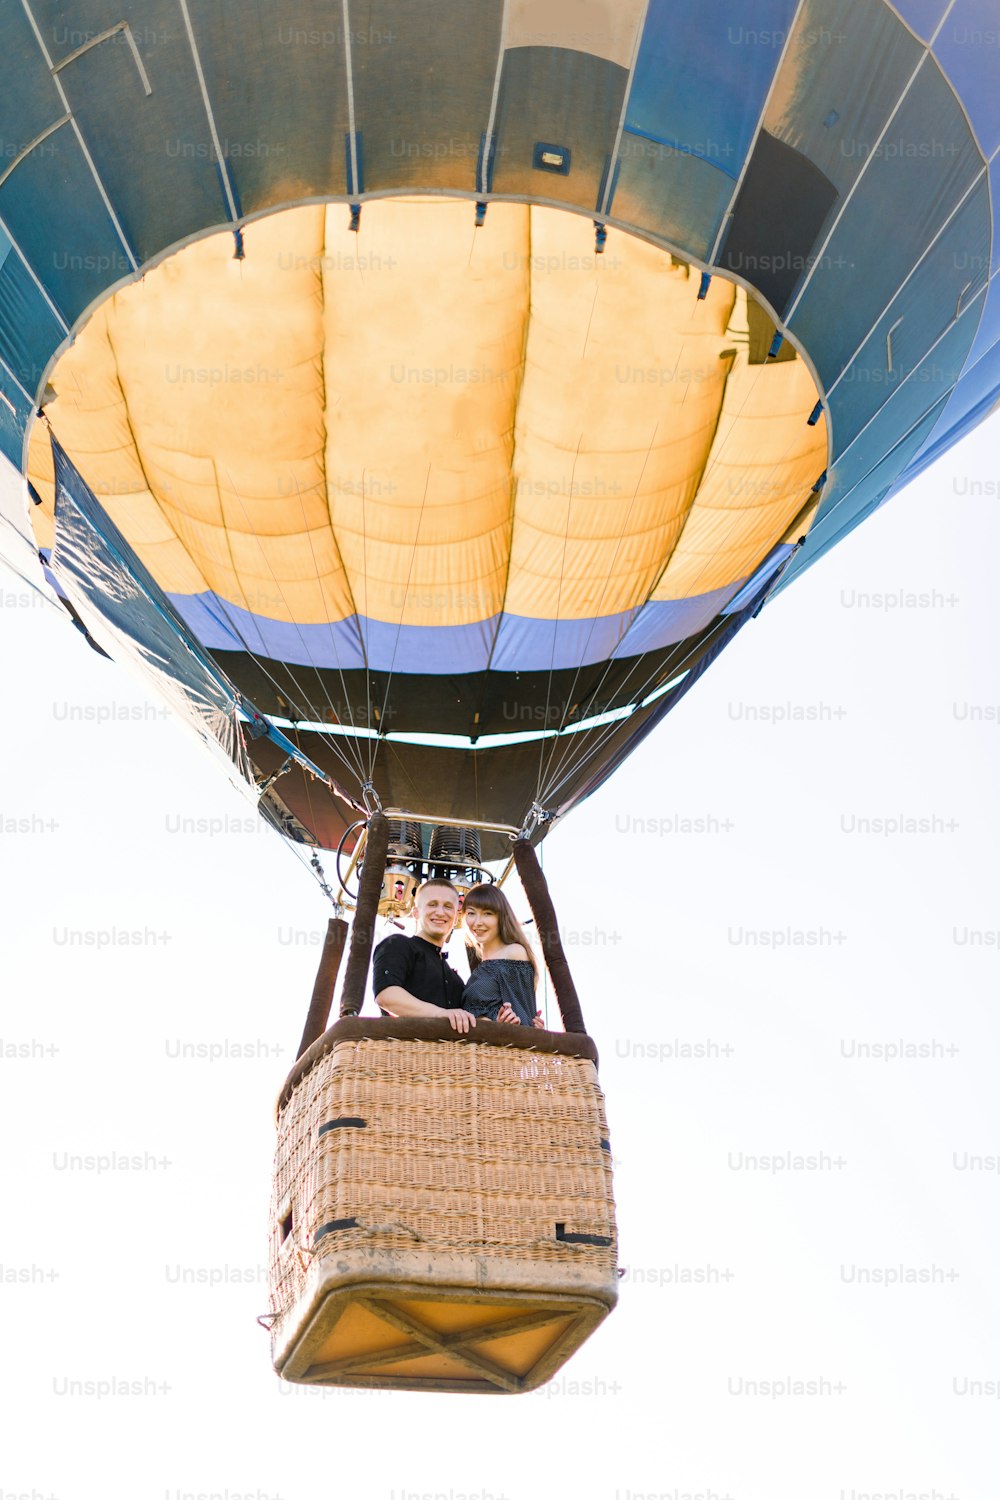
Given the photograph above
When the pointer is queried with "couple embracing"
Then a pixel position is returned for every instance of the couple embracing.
(412, 977)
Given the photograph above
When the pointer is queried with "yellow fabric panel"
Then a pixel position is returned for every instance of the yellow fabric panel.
(593, 26)
(763, 464)
(44, 527)
(91, 420)
(220, 362)
(424, 355)
(222, 359)
(624, 375)
(237, 447)
(41, 472)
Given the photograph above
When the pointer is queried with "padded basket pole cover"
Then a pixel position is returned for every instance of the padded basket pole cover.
(442, 1215)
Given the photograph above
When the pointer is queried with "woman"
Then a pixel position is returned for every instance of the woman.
(502, 985)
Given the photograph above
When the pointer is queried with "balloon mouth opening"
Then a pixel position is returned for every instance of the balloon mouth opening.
(228, 412)
(434, 450)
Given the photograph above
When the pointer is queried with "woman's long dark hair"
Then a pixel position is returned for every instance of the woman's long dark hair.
(509, 929)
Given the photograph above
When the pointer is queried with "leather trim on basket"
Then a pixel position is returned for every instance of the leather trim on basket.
(430, 1029)
(580, 1239)
(336, 1224)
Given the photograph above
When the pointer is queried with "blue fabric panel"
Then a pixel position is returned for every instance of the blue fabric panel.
(538, 645)
(277, 81)
(12, 422)
(752, 588)
(664, 622)
(923, 167)
(674, 193)
(871, 490)
(981, 383)
(169, 188)
(521, 644)
(848, 63)
(995, 192)
(975, 397)
(989, 326)
(704, 69)
(927, 387)
(922, 15)
(340, 645)
(927, 306)
(29, 331)
(29, 99)
(221, 626)
(53, 209)
(564, 98)
(778, 218)
(423, 81)
(968, 47)
(858, 497)
(644, 146)
(451, 648)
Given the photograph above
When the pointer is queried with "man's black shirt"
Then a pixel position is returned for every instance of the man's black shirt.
(420, 968)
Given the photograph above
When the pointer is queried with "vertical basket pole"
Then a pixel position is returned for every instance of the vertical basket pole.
(547, 926)
(369, 890)
(318, 1015)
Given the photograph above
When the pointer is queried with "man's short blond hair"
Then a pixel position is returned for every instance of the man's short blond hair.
(435, 881)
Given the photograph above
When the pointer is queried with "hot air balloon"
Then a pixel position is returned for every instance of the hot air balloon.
(423, 397)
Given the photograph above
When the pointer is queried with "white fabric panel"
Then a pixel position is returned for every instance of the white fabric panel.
(593, 26)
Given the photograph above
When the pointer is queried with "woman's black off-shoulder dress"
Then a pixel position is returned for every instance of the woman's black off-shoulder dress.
(496, 980)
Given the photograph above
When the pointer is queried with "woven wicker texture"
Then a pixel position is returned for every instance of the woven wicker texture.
(470, 1150)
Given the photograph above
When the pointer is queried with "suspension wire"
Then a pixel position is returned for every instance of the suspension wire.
(608, 731)
(259, 662)
(312, 863)
(320, 873)
(306, 780)
(376, 744)
(314, 867)
(566, 759)
(279, 686)
(338, 753)
(333, 634)
(555, 627)
(308, 663)
(706, 473)
(305, 708)
(392, 752)
(12, 567)
(545, 967)
(567, 707)
(568, 764)
(366, 633)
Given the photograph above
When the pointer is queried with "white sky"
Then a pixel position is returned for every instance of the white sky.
(100, 1269)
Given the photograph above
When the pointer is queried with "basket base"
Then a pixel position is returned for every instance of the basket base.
(410, 1337)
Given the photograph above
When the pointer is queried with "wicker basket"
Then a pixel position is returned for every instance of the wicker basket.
(442, 1214)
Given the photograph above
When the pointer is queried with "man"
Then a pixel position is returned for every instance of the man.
(410, 975)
